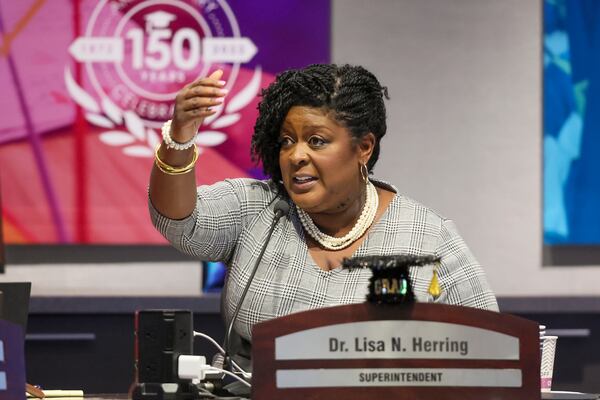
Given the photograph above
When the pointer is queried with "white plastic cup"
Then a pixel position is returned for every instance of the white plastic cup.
(547, 367)
(542, 334)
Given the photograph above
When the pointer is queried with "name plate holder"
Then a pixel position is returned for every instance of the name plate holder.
(418, 351)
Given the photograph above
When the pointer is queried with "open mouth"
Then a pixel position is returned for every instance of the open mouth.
(303, 179)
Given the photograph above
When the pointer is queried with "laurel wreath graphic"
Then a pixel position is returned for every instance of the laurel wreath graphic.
(127, 130)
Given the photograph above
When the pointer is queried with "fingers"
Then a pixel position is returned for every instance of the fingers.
(197, 101)
(213, 79)
(210, 86)
(216, 75)
(200, 102)
(200, 113)
(204, 91)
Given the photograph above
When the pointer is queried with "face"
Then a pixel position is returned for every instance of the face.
(320, 161)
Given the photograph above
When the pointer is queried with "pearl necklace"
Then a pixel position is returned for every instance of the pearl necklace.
(366, 218)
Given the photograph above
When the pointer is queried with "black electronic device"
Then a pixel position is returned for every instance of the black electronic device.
(15, 302)
(161, 336)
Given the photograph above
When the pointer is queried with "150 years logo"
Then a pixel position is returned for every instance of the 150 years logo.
(137, 55)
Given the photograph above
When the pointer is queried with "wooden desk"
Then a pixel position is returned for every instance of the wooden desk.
(99, 336)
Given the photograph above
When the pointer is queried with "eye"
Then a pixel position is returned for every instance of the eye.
(285, 141)
(316, 141)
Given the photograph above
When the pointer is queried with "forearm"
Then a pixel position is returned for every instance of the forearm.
(212, 229)
(172, 184)
(174, 196)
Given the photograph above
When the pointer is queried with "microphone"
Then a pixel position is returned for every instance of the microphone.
(281, 208)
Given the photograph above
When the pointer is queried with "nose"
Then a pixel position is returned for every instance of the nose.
(298, 155)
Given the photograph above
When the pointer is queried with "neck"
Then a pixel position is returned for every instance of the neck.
(340, 222)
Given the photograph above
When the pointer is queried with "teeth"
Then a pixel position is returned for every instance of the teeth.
(303, 178)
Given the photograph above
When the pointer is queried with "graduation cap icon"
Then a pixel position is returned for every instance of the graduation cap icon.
(390, 282)
(158, 20)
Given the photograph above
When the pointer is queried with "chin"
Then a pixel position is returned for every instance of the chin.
(307, 201)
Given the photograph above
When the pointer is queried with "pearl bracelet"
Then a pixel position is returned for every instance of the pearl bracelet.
(170, 143)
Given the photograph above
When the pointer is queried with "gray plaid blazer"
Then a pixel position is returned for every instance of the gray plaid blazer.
(230, 224)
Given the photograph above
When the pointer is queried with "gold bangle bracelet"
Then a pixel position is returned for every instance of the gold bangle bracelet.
(164, 171)
(169, 169)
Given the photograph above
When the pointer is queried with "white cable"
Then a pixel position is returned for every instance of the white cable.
(213, 341)
(230, 374)
(246, 375)
(222, 351)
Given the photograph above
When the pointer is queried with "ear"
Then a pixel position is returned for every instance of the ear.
(366, 145)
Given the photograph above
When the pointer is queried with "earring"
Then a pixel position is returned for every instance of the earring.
(364, 172)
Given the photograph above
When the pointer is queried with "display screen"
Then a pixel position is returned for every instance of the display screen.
(571, 65)
(213, 276)
(87, 85)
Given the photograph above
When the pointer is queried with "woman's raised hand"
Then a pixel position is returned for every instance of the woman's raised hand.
(193, 104)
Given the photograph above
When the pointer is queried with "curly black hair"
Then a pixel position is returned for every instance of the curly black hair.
(351, 94)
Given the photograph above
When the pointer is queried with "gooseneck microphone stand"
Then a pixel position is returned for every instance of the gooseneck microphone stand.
(281, 208)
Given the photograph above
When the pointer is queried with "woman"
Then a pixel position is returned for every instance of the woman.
(318, 137)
